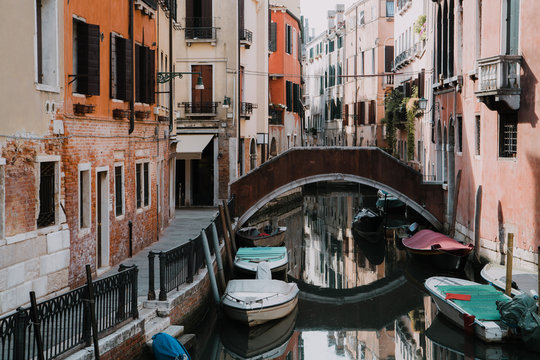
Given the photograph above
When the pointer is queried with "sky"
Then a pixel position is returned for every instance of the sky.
(315, 11)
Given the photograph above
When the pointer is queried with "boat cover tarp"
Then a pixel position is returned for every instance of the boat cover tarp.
(427, 239)
(261, 287)
(166, 347)
(521, 313)
(261, 253)
(263, 271)
(483, 299)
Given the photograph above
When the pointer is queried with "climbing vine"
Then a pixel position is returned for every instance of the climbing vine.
(394, 111)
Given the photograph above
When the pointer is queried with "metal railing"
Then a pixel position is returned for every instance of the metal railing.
(209, 107)
(247, 108)
(200, 28)
(178, 266)
(64, 322)
(245, 35)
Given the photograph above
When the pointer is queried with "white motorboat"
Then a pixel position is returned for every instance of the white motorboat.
(257, 301)
(248, 258)
(523, 281)
(470, 305)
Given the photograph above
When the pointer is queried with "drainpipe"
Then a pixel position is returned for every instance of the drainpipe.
(239, 88)
(131, 100)
(171, 82)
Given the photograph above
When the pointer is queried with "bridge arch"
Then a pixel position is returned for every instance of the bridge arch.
(365, 165)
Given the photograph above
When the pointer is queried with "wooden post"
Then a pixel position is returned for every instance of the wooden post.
(509, 257)
(229, 226)
(538, 292)
(91, 304)
(226, 235)
(221, 275)
(37, 326)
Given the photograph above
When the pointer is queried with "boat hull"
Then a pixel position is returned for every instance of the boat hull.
(488, 331)
(254, 317)
(277, 239)
(442, 261)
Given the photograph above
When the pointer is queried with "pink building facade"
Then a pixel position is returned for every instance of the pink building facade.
(485, 123)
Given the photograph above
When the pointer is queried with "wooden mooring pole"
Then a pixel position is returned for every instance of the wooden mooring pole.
(538, 292)
(229, 226)
(226, 238)
(509, 258)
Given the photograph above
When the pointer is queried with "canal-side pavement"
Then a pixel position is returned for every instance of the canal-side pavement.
(186, 225)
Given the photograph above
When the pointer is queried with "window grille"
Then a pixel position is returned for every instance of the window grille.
(477, 135)
(46, 194)
(507, 135)
(119, 205)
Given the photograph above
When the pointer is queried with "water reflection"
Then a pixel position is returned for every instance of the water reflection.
(358, 300)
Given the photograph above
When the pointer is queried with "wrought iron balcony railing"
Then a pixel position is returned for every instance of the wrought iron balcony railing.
(276, 116)
(246, 108)
(200, 29)
(200, 108)
(246, 37)
(499, 79)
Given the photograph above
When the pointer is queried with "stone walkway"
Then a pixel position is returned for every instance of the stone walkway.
(187, 224)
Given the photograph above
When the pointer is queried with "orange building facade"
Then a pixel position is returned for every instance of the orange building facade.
(116, 144)
(285, 109)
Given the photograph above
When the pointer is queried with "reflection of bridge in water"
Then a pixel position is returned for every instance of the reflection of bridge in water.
(368, 307)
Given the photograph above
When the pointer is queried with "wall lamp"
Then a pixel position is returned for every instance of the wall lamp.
(226, 102)
(163, 77)
(422, 104)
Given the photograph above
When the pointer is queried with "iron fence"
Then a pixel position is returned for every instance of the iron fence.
(64, 322)
(178, 266)
(245, 35)
(207, 107)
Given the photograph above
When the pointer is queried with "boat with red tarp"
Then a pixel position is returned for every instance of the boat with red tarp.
(439, 249)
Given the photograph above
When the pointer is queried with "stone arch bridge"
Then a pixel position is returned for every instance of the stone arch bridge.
(365, 165)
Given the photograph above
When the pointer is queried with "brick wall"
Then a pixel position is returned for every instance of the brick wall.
(104, 143)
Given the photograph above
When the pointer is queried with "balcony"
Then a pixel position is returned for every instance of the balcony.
(200, 30)
(246, 109)
(499, 82)
(200, 109)
(246, 38)
(388, 81)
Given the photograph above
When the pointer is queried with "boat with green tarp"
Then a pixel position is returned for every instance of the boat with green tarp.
(247, 259)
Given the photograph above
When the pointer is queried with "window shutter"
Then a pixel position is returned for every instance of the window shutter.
(421, 81)
(241, 24)
(362, 113)
(93, 59)
(296, 98)
(206, 13)
(150, 75)
(113, 70)
(189, 12)
(288, 95)
(388, 57)
(138, 86)
(124, 54)
(372, 109)
(299, 43)
(273, 36)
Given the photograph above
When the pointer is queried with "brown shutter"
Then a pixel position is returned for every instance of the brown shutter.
(388, 58)
(372, 109)
(93, 59)
(113, 80)
(421, 81)
(138, 79)
(362, 113)
(241, 15)
(151, 56)
(273, 36)
(124, 54)
(189, 12)
(206, 13)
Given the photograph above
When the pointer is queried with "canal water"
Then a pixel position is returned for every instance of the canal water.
(359, 299)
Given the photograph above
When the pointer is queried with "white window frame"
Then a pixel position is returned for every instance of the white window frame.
(141, 179)
(57, 189)
(84, 169)
(120, 165)
(50, 47)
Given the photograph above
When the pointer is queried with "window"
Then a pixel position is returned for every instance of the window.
(373, 61)
(390, 8)
(144, 74)
(331, 46)
(361, 20)
(339, 73)
(47, 42)
(121, 76)
(272, 45)
(199, 20)
(47, 198)
(311, 53)
(288, 39)
(511, 28)
(508, 135)
(142, 184)
(459, 129)
(289, 95)
(340, 42)
(296, 98)
(119, 190)
(477, 135)
(293, 42)
(86, 38)
(84, 196)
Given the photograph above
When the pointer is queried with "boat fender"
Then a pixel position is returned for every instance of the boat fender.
(468, 323)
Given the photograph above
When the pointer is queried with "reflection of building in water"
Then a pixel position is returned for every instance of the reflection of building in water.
(369, 345)
(410, 339)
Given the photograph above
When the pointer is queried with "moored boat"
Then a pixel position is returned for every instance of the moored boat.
(251, 236)
(470, 306)
(367, 225)
(389, 203)
(439, 249)
(247, 259)
(255, 302)
(523, 281)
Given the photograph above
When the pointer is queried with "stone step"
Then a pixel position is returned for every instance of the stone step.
(156, 325)
(188, 340)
